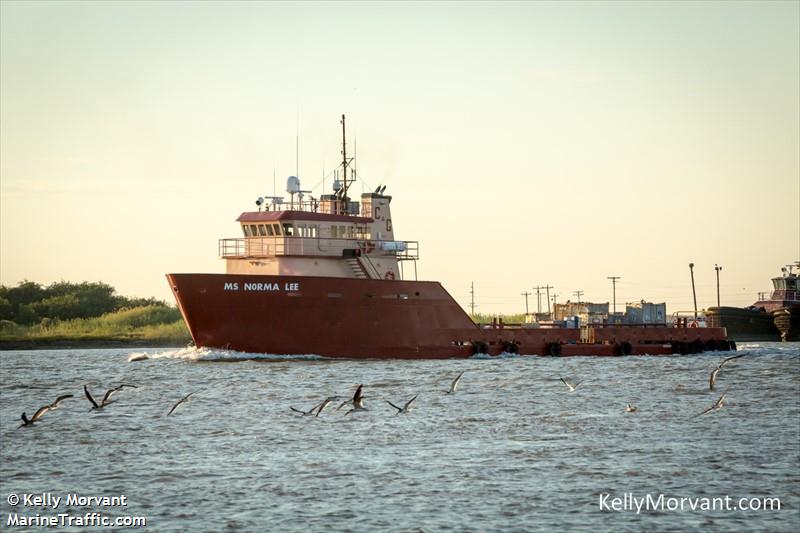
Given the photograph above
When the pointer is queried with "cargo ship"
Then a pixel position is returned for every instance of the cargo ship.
(327, 276)
(768, 319)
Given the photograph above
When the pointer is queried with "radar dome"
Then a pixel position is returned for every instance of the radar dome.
(293, 184)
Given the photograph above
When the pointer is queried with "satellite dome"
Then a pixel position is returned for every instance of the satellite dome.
(293, 184)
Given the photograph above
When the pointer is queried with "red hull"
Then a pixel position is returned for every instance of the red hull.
(365, 318)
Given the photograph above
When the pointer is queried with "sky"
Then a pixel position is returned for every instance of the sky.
(524, 144)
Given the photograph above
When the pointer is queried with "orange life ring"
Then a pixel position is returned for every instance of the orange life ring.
(389, 275)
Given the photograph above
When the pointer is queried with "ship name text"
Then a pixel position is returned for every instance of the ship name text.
(235, 286)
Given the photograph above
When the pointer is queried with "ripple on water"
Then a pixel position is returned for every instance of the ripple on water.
(511, 450)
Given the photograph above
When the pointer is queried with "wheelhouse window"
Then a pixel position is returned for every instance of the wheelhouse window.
(270, 231)
(277, 229)
(253, 230)
(262, 231)
(246, 230)
(362, 233)
(288, 230)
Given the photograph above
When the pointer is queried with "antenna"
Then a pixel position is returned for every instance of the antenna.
(297, 143)
(345, 162)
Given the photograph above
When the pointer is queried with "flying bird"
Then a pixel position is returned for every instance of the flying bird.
(42, 410)
(454, 384)
(179, 402)
(36, 416)
(318, 408)
(107, 397)
(569, 385)
(358, 402)
(712, 379)
(716, 407)
(405, 409)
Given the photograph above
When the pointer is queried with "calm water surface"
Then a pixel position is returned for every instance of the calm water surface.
(512, 450)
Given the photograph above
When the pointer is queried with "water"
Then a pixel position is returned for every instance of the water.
(512, 450)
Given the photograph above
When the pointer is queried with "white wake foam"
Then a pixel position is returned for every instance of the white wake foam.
(192, 353)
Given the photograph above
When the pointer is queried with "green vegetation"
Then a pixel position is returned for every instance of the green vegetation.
(84, 313)
(481, 318)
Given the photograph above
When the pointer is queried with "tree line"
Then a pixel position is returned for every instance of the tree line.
(29, 302)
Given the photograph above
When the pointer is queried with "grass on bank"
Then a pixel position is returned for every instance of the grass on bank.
(152, 323)
(481, 318)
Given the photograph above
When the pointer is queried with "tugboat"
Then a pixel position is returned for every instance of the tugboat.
(772, 319)
(327, 276)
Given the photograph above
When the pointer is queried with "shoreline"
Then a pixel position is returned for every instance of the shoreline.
(66, 344)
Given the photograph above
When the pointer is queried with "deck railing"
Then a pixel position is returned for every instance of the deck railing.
(256, 247)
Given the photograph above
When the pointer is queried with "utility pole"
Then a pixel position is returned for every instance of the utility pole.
(578, 294)
(614, 289)
(694, 294)
(538, 300)
(526, 294)
(472, 297)
(548, 287)
(717, 268)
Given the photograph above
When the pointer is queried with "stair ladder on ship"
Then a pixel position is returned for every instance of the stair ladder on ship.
(357, 267)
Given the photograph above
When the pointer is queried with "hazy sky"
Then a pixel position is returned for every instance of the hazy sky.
(524, 143)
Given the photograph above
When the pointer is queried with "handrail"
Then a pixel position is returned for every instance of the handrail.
(313, 247)
(375, 272)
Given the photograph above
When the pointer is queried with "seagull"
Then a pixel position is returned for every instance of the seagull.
(36, 416)
(42, 410)
(405, 409)
(106, 398)
(630, 409)
(454, 384)
(182, 400)
(569, 385)
(318, 408)
(358, 402)
(716, 407)
(712, 379)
